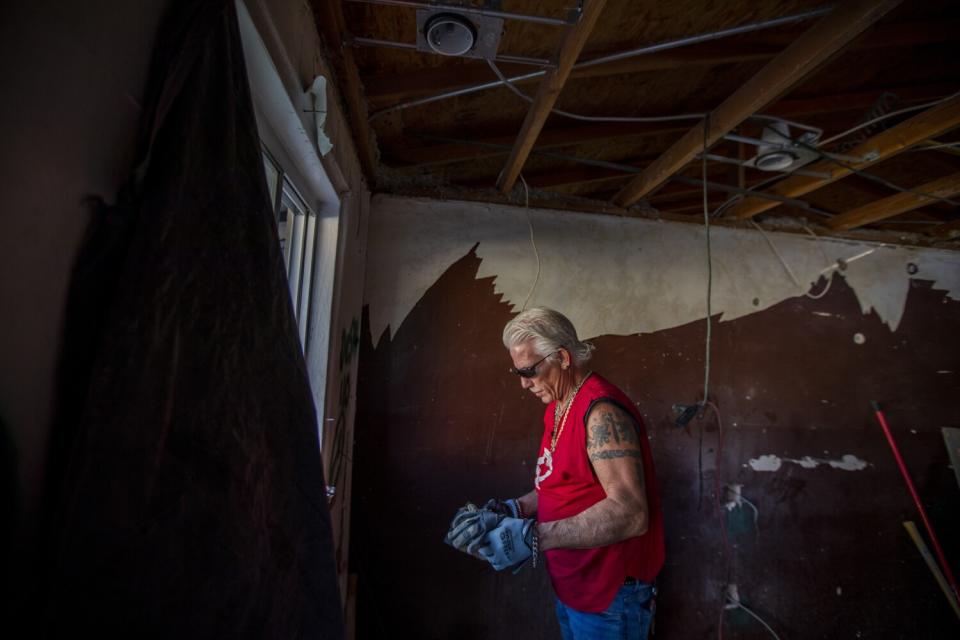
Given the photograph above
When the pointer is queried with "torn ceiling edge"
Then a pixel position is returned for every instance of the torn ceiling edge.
(432, 188)
(650, 275)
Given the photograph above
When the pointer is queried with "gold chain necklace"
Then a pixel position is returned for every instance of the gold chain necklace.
(566, 411)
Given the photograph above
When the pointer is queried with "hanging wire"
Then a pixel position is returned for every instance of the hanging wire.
(577, 116)
(526, 199)
(885, 116)
(706, 223)
(829, 157)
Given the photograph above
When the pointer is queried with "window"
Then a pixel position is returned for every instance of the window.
(297, 228)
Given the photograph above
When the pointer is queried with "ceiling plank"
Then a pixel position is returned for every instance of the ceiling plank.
(811, 49)
(548, 92)
(388, 89)
(932, 122)
(331, 22)
(406, 151)
(896, 204)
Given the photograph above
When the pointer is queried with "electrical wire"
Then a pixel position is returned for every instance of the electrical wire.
(826, 258)
(737, 605)
(937, 145)
(886, 116)
(829, 157)
(787, 268)
(727, 551)
(526, 198)
(706, 223)
(576, 116)
(756, 515)
(875, 178)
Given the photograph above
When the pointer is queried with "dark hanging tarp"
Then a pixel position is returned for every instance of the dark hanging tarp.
(192, 497)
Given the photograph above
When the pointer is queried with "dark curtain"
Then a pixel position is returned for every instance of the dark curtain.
(188, 485)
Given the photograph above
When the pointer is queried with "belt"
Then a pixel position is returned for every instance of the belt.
(630, 580)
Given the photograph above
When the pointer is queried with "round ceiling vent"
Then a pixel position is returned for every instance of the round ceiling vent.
(449, 34)
(775, 161)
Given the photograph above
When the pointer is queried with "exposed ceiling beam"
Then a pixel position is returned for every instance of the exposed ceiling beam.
(385, 90)
(897, 204)
(811, 49)
(548, 92)
(932, 122)
(331, 22)
(407, 152)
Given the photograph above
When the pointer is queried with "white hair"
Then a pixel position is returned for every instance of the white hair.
(548, 330)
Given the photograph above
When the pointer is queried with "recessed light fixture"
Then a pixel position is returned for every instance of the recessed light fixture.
(449, 34)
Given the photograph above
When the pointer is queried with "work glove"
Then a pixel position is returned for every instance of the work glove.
(469, 526)
(509, 507)
(510, 544)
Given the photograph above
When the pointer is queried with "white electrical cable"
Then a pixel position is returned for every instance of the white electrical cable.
(886, 116)
(577, 116)
(756, 515)
(738, 605)
(787, 268)
(706, 223)
(526, 197)
(825, 259)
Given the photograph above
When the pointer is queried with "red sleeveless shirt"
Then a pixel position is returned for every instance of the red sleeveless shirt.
(588, 579)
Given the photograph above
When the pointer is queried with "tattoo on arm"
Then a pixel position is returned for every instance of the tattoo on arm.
(600, 436)
(616, 453)
(611, 425)
(622, 428)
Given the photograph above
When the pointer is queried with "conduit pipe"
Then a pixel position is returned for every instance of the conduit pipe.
(614, 57)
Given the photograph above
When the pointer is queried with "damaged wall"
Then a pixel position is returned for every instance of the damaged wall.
(824, 555)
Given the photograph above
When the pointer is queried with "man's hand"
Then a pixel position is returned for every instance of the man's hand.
(510, 507)
(510, 544)
(469, 526)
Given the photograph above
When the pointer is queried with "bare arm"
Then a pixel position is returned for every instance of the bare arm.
(613, 446)
(528, 503)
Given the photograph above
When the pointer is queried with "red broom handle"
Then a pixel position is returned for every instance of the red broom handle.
(916, 499)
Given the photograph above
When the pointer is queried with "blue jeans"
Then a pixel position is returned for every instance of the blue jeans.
(628, 617)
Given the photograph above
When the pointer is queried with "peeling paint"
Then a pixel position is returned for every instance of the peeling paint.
(413, 241)
(771, 462)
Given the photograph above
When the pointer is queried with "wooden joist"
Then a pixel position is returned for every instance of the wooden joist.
(331, 23)
(811, 49)
(388, 89)
(897, 204)
(409, 150)
(931, 123)
(548, 92)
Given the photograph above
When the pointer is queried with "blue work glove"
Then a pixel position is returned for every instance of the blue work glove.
(509, 507)
(469, 526)
(510, 544)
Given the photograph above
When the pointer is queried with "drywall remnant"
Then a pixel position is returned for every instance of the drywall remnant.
(771, 462)
(413, 241)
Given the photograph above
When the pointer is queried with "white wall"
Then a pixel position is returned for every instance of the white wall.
(622, 276)
(73, 77)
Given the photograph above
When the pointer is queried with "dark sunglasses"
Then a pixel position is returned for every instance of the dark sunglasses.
(529, 372)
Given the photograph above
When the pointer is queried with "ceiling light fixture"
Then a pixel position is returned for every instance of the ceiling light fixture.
(449, 34)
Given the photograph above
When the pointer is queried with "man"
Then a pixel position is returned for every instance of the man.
(595, 497)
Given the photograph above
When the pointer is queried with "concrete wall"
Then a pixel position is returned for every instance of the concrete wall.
(824, 555)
